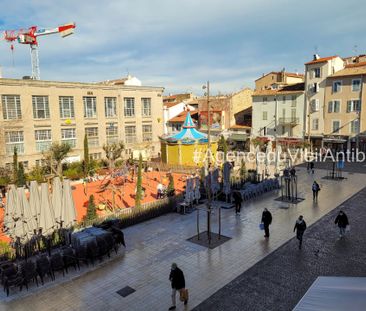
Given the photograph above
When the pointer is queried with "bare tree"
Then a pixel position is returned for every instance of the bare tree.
(55, 155)
(113, 152)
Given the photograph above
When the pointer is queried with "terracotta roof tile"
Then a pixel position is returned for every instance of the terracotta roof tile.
(350, 71)
(182, 116)
(321, 60)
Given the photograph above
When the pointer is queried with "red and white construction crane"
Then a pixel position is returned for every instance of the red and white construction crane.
(30, 35)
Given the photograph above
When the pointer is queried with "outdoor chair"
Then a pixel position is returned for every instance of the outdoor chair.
(8, 269)
(44, 267)
(118, 236)
(57, 264)
(69, 258)
(14, 280)
(82, 254)
(92, 251)
(103, 247)
(29, 272)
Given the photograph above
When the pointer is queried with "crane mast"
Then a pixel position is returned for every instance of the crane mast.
(30, 35)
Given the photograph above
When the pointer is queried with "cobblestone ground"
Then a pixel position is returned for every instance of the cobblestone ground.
(280, 280)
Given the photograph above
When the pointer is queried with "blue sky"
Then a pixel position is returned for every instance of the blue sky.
(181, 44)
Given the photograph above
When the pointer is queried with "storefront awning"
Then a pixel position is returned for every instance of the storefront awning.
(238, 137)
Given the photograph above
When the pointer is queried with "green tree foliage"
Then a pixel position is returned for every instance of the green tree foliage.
(171, 188)
(138, 197)
(15, 165)
(113, 152)
(20, 175)
(38, 174)
(91, 212)
(5, 176)
(55, 155)
(86, 156)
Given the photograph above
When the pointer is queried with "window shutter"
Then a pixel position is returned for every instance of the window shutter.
(317, 105)
(330, 107)
(349, 103)
(316, 86)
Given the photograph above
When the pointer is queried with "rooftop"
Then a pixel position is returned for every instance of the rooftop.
(287, 74)
(182, 116)
(288, 89)
(351, 70)
(321, 60)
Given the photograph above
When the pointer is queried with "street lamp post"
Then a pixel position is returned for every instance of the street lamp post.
(275, 134)
(208, 152)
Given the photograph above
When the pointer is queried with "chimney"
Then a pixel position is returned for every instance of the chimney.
(316, 56)
(283, 75)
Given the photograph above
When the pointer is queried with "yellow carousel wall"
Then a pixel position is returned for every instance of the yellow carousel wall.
(186, 154)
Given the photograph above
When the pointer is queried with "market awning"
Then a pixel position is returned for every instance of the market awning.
(238, 137)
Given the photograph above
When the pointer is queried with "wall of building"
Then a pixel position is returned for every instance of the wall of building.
(239, 102)
(326, 68)
(27, 88)
(346, 94)
(284, 104)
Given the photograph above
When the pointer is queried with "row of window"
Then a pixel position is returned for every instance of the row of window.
(336, 86)
(354, 126)
(334, 106)
(293, 114)
(283, 98)
(12, 107)
(43, 138)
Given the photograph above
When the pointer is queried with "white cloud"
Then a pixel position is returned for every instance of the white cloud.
(181, 44)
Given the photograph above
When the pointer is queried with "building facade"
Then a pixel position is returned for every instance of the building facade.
(279, 112)
(316, 73)
(37, 113)
(344, 116)
(277, 78)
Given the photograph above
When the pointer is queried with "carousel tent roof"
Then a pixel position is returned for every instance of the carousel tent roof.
(188, 132)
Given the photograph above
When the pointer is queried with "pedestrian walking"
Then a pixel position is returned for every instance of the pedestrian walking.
(342, 222)
(316, 188)
(237, 200)
(266, 220)
(312, 166)
(300, 227)
(177, 280)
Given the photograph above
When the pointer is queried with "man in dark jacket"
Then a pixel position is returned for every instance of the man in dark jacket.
(342, 221)
(300, 227)
(316, 188)
(237, 200)
(266, 220)
(176, 277)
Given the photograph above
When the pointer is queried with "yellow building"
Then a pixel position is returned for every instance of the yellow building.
(189, 147)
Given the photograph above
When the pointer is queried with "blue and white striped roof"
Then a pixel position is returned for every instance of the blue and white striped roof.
(188, 132)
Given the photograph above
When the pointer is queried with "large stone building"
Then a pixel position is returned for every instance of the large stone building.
(316, 73)
(344, 116)
(37, 113)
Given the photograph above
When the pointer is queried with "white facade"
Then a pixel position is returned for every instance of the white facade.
(171, 111)
(278, 114)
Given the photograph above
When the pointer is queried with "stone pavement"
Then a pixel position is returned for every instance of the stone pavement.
(152, 247)
(280, 280)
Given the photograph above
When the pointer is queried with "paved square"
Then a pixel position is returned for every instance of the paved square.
(153, 245)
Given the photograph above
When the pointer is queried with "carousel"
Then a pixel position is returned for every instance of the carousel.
(189, 147)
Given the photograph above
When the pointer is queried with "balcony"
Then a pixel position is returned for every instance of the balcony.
(288, 121)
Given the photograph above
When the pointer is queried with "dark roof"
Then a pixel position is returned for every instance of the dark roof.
(288, 89)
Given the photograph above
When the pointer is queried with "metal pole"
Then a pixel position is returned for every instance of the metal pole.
(219, 222)
(198, 224)
(275, 134)
(209, 164)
